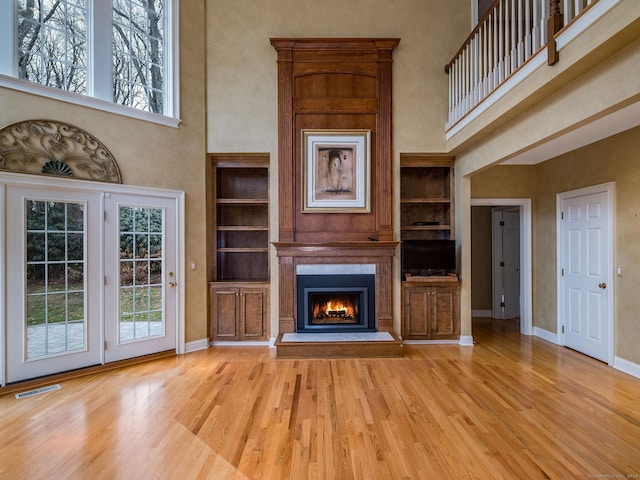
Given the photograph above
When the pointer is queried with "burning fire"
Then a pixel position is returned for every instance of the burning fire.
(337, 309)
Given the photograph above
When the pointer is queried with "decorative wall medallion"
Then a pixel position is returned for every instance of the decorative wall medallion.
(48, 147)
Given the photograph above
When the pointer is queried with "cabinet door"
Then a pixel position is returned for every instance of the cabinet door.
(224, 313)
(445, 310)
(416, 313)
(253, 313)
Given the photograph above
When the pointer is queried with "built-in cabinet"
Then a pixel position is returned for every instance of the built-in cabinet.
(239, 311)
(430, 310)
(239, 290)
(430, 305)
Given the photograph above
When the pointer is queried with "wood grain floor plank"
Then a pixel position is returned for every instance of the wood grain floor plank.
(511, 407)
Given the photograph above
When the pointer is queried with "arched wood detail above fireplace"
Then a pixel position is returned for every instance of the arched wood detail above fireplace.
(48, 147)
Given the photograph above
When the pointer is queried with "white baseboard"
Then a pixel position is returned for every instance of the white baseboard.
(626, 366)
(196, 345)
(481, 313)
(466, 341)
(546, 335)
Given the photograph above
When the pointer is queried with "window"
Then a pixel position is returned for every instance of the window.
(52, 43)
(118, 51)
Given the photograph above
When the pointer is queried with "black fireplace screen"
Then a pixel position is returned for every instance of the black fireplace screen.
(333, 308)
(335, 303)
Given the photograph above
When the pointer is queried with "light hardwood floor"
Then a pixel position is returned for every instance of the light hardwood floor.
(510, 407)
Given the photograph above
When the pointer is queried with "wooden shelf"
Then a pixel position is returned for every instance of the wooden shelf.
(420, 200)
(242, 201)
(425, 228)
(242, 228)
(245, 250)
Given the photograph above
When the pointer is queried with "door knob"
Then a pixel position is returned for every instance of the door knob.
(603, 285)
(172, 284)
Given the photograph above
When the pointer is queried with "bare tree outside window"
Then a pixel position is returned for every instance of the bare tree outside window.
(52, 45)
(138, 40)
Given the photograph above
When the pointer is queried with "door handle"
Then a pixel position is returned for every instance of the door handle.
(603, 285)
(171, 284)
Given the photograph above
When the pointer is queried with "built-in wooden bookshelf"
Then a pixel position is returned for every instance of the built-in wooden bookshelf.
(430, 305)
(241, 212)
(239, 290)
(426, 197)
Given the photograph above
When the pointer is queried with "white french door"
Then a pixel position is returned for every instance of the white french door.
(141, 275)
(87, 276)
(53, 303)
(585, 264)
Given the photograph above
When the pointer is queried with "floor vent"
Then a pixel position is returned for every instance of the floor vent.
(38, 391)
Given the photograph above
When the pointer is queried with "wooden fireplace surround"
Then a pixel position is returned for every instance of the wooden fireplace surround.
(334, 84)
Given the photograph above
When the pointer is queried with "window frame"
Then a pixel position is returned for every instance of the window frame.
(99, 73)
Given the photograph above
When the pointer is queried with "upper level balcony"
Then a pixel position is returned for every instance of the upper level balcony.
(522, 51)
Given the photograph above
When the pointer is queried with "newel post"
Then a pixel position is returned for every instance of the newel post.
(554, 24)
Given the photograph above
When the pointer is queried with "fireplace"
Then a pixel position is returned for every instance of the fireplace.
(335, 303)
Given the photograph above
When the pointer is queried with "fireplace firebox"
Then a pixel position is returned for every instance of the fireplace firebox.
(335, 303)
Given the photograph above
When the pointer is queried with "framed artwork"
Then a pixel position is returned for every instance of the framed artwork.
(336, 171)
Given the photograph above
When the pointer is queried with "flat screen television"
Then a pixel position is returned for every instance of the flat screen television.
(428, 257)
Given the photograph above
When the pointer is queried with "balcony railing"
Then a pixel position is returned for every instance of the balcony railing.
(506, 37)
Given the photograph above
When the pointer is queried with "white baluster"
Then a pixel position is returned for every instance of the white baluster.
(528, 28)
(519, 21)
(544, 14)
(514, 39)
(501, 42)
(485, 59)
(536, 27)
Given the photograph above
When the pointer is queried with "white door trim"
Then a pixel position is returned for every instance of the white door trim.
(53, 183)
(526, 269)
(609, 190)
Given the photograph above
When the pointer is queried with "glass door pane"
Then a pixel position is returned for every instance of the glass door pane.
(55, 265)
(141, 267)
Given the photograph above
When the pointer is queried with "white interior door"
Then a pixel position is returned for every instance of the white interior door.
(511, 261)
(141, 238)
(585, 264)
(53, 314)
(506, 263)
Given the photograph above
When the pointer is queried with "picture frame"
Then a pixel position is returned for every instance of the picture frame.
(336, 171)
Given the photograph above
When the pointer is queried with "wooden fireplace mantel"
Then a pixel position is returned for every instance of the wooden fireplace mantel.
(335, 249)
(335, 85)
(380, 254)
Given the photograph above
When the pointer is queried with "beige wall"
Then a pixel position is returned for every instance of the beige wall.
(242, 70)
(152, 155)
(616, 159)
